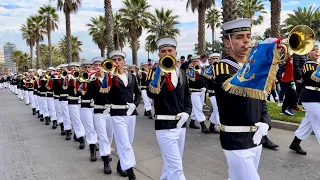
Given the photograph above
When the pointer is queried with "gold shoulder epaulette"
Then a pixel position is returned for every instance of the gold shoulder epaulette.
(221, 69)
(150, 75)
(308, 67)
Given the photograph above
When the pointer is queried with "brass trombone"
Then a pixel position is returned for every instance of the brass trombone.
(107, 65)
(167, 63)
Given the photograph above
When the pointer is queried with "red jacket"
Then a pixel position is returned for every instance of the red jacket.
(288, 73)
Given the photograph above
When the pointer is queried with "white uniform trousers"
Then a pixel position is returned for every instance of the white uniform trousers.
(104, 129)
(43, 106)
(26, 97)
(15, 90)
(65, 115)
(87, 121)
(51, 108)
(1, 85)
(11, 87)
(171, 142)
(214, 118)
(197, 104)
(74, 110)
(36, 99)
(58, 111)
(123, 128)
(146, 100)
(31, 99)
(20, 94)
(311, 122)
(243, 164)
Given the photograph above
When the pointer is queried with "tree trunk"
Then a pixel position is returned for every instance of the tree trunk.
(213, 28)
(134, 47)
(109, 25)
(201, 30)
(229, 13)
(118, 41)
(49, 42)
(31, 55)
(275, 18)
(68, 40)
(38, 55)
(102, 51)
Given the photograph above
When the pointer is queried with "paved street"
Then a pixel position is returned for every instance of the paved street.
(30, 150)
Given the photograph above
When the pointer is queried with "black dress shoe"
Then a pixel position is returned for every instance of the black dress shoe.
(120, 171)
(295, 146)
(93, 153)
(269, 144)
(131, 174)
(82, 143)
(193, 125)
(75, 137)
(38, 114)
(106, 165)
(47, 120)
(97, 147)
(145, 113)
(63, 132)
(150, 114)
(41, 118)
(34, 111)
(54, 124)
(68, 135)
(204, 128)
(109, 158)
(213, 130)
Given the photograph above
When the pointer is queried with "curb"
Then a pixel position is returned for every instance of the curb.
(289, 126)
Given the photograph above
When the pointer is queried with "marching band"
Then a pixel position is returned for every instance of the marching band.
(96, 101)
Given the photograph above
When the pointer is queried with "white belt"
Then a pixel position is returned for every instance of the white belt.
(211, 91)
(57, 96)
(238, 129)
(101, 106)
(313, 88)
(119, 106)
(49, 92)
(191, 89)
(42, 93)
(63, 95)
(85, 101)
(73, 98)
(167, 117)
(143, 86)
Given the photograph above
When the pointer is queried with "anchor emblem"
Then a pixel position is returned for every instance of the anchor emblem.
(246, 70)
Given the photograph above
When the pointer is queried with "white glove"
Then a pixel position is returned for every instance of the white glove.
(132, 107)
(183, 118)
(203, 90)
(106, 111)
(262, 131)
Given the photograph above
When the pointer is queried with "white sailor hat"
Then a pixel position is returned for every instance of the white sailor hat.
(317, 44)
(237, 26)
(98, 59)
(43, 71)
(74, 64)
(19, 75)
(117, 53)
(63, 65)
(197, 57)
(58, 67)
(52, 68)
(167, 42)
(215, 55)
(31, 70)
(86, 62)
(145, 64)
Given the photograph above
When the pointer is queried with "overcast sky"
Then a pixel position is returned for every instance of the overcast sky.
(13, 13)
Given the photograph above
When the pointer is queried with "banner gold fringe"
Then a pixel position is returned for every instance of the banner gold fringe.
(255, 93)
(105, 90)
(155, 90)
(313, 77)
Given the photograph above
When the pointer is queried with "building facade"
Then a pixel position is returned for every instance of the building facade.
(8, 48)
(1, 57)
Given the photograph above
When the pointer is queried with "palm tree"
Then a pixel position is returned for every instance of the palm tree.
(98, 31)
(135, 18)
(163, 24)
(248, 9)
(108, 25)
(201, 6)
(302, 16)
(275, 18)
(75, 47)
(27, 34)
(213, 19)
(119, 32)
(20, 59)
(50, 19)
(36, 26)
(68, 7)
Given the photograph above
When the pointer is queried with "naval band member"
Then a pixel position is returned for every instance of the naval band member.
(172, 104)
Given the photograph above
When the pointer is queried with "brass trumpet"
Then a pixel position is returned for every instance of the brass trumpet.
(84, 76)
(64, 73)
(75, 74)
(167, 63)
(107, 65)
(48, 75)
(197, 67)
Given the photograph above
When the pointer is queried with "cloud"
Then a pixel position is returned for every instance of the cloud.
(14, 13)
(289, 3)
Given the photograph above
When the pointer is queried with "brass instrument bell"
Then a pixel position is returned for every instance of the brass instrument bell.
(107, 65)
(167, 63)
(84, 76)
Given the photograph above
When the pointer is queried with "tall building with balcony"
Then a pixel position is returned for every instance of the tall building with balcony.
(8, 48)
(1, 57)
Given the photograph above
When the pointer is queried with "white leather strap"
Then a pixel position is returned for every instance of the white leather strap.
(211, 91)
(313, 88)
(73, 98)
(167, 117)
(192, 89)
(238, 128)
(85, 101)
(113, 106)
